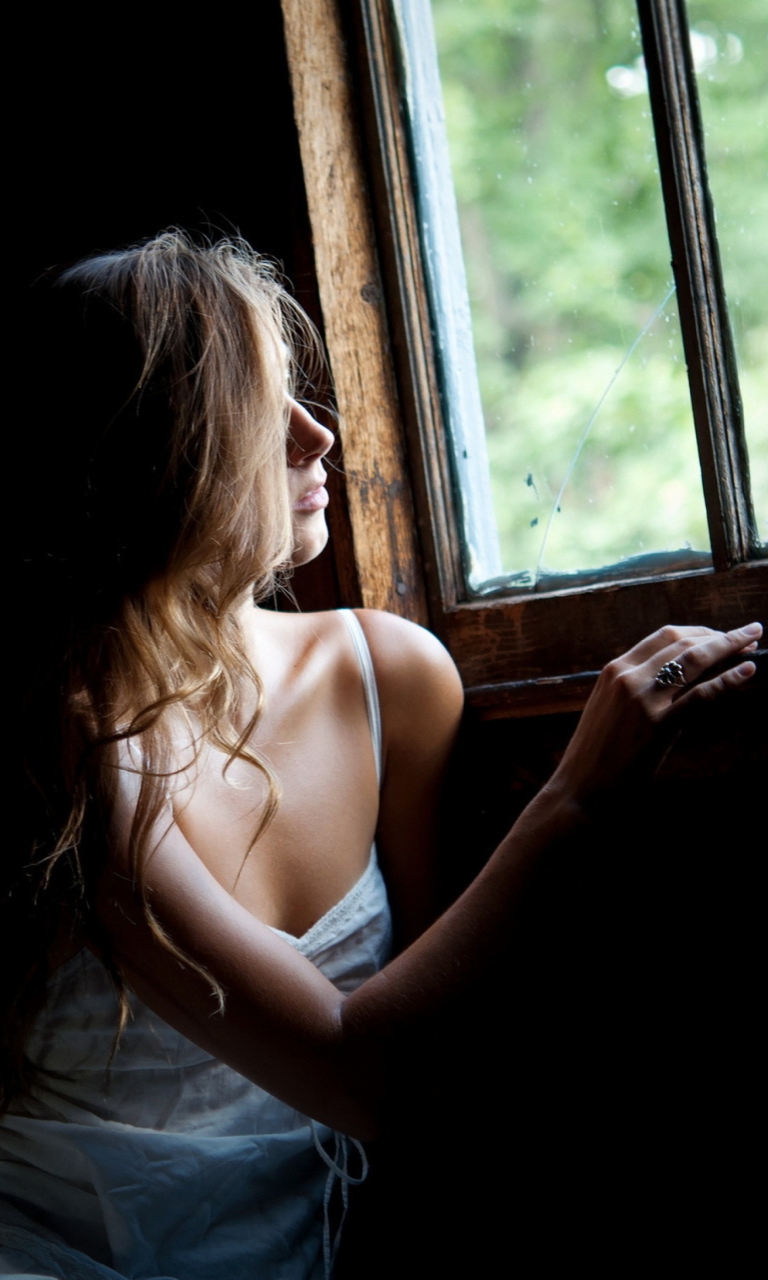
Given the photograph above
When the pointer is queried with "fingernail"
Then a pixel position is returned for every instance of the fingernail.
(746, 669)
(754, 629)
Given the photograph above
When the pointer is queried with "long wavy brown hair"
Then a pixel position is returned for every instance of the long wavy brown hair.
(155, 498)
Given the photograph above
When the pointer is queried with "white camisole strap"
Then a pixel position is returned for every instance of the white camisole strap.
(369, 682)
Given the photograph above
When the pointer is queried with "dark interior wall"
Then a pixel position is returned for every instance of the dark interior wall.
(596, 1106)
(142, 121)
(145, 121)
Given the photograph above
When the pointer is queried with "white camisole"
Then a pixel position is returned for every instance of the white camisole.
(169, 1165)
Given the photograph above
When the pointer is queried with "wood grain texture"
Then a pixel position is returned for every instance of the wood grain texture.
(405, 289)
(382, 518)
(570, 633)
(518, 656)
(707, 339)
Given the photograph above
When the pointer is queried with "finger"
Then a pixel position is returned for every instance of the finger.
(708, 690)
(667, 637)
(687, 662)
(700, 657)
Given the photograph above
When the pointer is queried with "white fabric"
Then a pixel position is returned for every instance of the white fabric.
(169, 1165)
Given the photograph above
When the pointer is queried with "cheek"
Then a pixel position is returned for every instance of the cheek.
(294, 483)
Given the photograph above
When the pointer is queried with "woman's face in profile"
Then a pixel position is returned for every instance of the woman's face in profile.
(308, 443)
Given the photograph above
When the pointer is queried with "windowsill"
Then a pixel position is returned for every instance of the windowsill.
(632, 569)
(554, 695)
(549, 695)
(538, 654)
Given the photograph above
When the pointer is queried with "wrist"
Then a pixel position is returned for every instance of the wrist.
(564, 801)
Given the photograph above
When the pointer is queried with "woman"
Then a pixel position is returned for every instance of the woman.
(203, 783)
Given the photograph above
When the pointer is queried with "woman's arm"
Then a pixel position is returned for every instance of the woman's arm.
(421, 699)
(285, 1026)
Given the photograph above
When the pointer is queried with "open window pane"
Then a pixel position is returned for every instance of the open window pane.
(729, 45)
(568, 264)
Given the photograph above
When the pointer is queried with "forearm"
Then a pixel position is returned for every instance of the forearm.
(618, 740)
(463, 949)
(284, 1025)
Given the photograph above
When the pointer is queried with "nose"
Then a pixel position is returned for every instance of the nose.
(308, 439)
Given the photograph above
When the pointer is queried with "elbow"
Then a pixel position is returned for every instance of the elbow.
(361, 1072)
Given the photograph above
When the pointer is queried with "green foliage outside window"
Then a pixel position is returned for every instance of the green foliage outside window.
(568, 260)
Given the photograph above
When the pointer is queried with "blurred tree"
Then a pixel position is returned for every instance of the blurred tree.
(568, 260)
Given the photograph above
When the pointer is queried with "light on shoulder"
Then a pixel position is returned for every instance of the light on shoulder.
(417, 678)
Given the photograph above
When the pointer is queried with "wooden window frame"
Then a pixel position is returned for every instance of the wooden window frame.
(525, 654)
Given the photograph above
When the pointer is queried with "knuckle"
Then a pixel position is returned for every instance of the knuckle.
(669, 633)
(625, 678)
(624, 683)
(619, 677)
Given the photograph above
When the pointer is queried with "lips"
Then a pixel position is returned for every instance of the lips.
(313, 500)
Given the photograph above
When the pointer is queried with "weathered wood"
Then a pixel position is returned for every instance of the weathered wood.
(707, 339)
(518, 656)
(550, 695)
(381, 509)
(397, 226)
(573, 632)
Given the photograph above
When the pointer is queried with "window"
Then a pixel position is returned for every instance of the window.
(524, 651)
(579, 353)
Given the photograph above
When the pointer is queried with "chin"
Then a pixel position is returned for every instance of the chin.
(308, 543)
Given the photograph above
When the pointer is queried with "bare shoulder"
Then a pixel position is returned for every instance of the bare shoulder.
(421, 703)
(419, 686)
(407, 656)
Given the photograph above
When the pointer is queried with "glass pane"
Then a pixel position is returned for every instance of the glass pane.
(582, 377)
(729, 43)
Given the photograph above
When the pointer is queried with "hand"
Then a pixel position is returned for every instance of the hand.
(629, 712)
